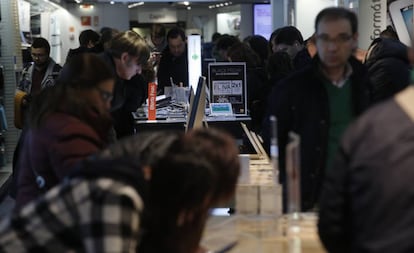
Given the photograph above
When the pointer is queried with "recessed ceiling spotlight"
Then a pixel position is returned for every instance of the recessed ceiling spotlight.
(217, 5)
(112, 2)
(226, 3)
(186, 3)
(188, 7)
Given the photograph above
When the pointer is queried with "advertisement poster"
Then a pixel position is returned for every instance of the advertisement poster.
(262, 20)
(228, 85)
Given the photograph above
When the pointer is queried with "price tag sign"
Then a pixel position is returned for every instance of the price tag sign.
(227, 81)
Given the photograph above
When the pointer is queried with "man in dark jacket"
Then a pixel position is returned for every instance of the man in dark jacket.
(289, 39)
(87, 41)
(173, 64)
(367, 201)
(319, 101)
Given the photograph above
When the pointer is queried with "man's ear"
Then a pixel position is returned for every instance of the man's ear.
(124, 57)
(355, 40)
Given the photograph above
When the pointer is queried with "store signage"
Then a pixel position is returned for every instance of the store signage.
(372, 20)
(161, 15)
(228, 85)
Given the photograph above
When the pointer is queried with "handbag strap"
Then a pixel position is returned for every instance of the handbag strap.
(405, 99)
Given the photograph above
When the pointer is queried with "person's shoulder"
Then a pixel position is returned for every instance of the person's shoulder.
(299, 77)
(374, 123)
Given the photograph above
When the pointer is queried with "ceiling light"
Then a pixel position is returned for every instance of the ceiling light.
(135, 5)
(112, 2)
(186, 3)
(188, 7)
(86, 6)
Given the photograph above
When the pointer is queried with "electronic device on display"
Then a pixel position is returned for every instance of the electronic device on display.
(196, 111)
(401, 12)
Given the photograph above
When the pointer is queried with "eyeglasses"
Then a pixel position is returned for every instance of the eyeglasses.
(105, 95)
(340, 39)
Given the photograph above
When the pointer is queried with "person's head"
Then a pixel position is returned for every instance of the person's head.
(271, 46)
(107, 34)
(259, 45)
(40, 51)
(176, 41)
(389, 33)
(215, 37)
(279, 65)
(190, 173)
(223, 44)
(241, 52)
(336, 36)
(158, 33)
(84, 86)
(287, 39)
(88, 38)
(130, 52)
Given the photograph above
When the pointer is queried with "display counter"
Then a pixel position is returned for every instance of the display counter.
(258, 225)
(230, 124)
(263, 234)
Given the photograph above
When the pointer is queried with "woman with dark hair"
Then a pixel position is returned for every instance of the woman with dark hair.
(257, 88)
(146, 193)
(67, 122)
(190, 174)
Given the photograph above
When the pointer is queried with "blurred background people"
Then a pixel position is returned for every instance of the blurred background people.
(157, 40)
(68, 122)
(173, 66)
(222, 46)
(40, 74)
(106, 35)
(259, 45)
(256, 81)
(290, 40)
(88, 39)
(279, 66)
(389, 68)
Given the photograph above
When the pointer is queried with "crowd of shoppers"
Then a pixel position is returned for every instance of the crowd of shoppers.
(352, 160)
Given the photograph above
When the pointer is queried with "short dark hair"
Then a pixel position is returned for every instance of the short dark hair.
(335, 13)
(175, 33)
(88, 35)
(41, 43)
(226, 41)
(288, 35)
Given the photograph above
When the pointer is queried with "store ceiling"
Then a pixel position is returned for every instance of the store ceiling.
(155, 2)
(39, 6)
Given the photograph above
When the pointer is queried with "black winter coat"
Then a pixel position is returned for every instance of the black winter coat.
(388, 68)
(301, 105)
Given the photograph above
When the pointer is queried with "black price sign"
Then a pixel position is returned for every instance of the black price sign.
(228, 85)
